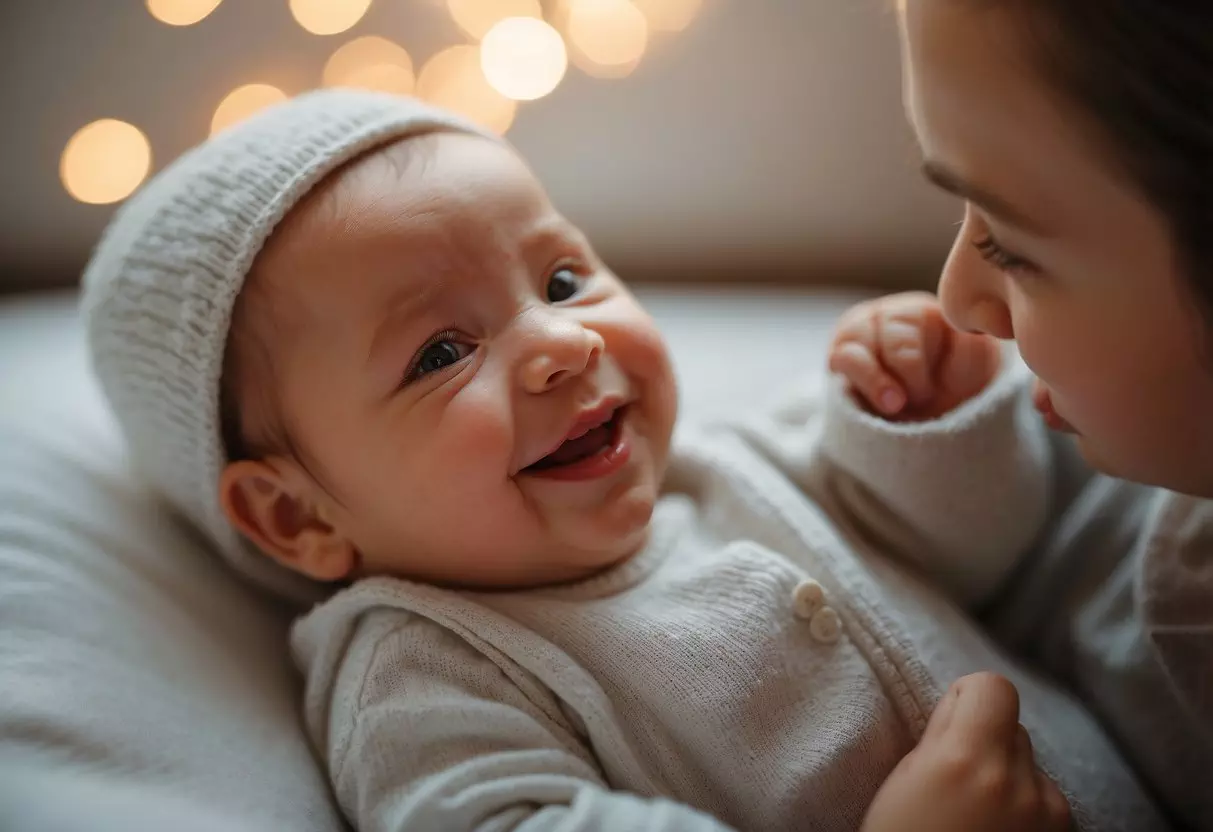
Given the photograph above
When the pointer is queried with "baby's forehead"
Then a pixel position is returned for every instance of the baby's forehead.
(328, 213)
(432, 203)
(448, 189)
(348, 188)
(434, 178)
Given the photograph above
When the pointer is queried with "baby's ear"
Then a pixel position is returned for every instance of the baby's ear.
(271, 504)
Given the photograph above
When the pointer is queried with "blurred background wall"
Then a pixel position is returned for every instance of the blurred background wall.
(702, 140)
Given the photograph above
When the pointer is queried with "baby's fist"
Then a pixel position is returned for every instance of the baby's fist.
(905, 362)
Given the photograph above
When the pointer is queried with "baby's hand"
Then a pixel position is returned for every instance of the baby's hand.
(973, 769)
(903, 361)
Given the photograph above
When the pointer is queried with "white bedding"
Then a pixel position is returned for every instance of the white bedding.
(141, 686)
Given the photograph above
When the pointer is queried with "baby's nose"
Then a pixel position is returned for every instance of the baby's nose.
(559, 350)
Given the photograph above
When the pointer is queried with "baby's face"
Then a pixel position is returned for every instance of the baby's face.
(472, 396)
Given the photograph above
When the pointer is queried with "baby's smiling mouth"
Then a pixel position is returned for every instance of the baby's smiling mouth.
(592, 437)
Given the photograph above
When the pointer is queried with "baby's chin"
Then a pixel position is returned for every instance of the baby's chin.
(610, 538)
(619, 533)
(569, 563)
(592, 565)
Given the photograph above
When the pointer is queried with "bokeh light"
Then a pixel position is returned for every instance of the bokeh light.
(181, 12)
(242, 102)
(453, 79)
(328, 17)
(608, 36)
(105, 161)
(476, 17)
(398, 80)
(373, 63)
(523, 58)
(668, 15)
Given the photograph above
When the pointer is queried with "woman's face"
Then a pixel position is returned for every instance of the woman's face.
(1057, 250)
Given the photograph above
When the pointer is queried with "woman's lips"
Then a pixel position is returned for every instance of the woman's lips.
(1043, 399)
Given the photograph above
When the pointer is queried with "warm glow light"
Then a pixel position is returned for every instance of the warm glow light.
(608, 33)
(523, 58)
(105, 161)
(328, 17)
(476, 17)
(181, 12)
(371, 63)
(668, 15)
(453, 79)
(383, 78)
(242, 102)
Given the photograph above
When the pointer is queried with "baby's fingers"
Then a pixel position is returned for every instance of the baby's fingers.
(903, 350)
(867, 377)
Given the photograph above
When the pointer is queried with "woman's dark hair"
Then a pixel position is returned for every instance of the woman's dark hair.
(1143, 72)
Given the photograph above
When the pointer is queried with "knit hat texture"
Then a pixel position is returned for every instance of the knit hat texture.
(160, 288)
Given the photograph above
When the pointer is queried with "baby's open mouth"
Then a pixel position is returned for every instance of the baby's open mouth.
(594, 441)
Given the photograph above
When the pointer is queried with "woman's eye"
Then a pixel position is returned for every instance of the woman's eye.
(993, 253)
(563, 284)
(436, 356)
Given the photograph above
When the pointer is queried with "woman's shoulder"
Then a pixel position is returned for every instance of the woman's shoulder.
(1176, 584)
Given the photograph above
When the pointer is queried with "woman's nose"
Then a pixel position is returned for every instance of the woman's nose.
(557, 350)
(971, 296)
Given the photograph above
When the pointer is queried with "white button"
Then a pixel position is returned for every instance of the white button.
(825, 626)
(807, 598)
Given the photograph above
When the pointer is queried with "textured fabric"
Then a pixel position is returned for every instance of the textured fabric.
(686, 677)
(38, 794)
(143, 687)
(161, 286)
(1119, 605)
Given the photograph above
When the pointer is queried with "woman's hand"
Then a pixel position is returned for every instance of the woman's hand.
(905, 362)
(972, 770)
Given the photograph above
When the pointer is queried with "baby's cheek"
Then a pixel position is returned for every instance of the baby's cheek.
(476, 428)
(660, 389)
(637, 334)
(655, 348)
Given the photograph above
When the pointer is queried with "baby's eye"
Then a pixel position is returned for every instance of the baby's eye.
(437, 355)
(563, 284)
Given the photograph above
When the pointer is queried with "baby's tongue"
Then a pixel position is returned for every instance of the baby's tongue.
(579, 448)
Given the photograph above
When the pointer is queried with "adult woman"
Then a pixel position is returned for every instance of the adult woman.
(1080, 135)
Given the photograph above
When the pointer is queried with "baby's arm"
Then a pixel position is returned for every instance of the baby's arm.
(437, 737)
(958, 482)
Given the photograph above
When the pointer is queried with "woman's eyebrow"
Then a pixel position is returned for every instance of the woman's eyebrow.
(945, 179)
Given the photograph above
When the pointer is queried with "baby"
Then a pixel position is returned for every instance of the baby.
(353, 341)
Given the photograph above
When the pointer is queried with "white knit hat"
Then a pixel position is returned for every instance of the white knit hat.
(159, 291)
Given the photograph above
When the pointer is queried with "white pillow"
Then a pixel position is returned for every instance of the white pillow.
(141, 685)
(138, 678)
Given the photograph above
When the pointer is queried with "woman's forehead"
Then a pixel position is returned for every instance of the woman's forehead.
(982, 112)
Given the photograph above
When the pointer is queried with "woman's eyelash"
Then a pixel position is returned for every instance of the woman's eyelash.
(993, 253)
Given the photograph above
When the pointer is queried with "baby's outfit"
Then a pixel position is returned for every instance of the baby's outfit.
(762, 664)
(779, 643)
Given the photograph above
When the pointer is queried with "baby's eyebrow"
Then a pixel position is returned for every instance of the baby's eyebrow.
(558, 231)
(404, 304)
